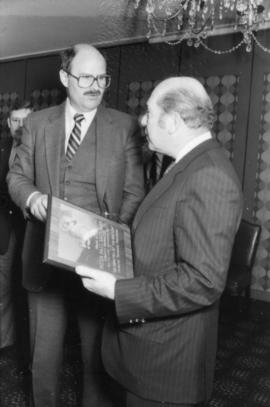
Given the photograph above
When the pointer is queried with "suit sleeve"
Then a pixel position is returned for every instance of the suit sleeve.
(20, 178)
(206, 218)
(133, 191)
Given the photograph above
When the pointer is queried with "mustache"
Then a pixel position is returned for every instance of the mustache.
(18, 134)
(92, 92)
(19, 131)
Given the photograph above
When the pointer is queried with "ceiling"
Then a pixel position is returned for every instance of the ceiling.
(29, 27)
(34, 27)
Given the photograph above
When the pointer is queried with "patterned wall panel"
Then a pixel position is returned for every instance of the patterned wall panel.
(223, 91)
(261, 209)
(138, 93)
(112, 56)
(39, 99)
(42, 98)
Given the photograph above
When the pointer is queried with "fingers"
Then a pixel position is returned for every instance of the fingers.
(97, 281)
(38, 206)
(89, 284)
(88, 272)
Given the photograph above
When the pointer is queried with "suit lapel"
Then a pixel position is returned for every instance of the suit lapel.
(54, 138)
(167, 180)
(104, 143)
(160, 188)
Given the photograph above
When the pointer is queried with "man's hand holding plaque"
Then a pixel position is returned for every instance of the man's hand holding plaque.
(97, 281)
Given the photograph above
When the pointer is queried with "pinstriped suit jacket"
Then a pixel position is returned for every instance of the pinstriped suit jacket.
(161, 343)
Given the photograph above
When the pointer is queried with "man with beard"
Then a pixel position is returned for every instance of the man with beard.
(12, 230)
(15, 124)
(89, 156)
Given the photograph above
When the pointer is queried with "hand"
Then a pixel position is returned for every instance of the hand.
(97, 281)
(38, 206)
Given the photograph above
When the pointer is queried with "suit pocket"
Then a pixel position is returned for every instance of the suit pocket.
(154, 331)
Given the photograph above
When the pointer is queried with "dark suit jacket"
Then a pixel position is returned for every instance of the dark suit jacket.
(10, 214)
(119, 174)
(161, 344)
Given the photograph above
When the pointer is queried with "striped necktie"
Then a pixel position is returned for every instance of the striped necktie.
(75, 137)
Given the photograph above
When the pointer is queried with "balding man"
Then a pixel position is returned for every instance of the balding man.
(89, 156)
(160, 344)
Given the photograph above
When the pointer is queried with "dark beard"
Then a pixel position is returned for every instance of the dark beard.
(17, 137)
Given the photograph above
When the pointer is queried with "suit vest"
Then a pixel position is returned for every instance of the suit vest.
(78, 176)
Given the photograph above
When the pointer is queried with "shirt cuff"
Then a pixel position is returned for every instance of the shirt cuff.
(29, 198)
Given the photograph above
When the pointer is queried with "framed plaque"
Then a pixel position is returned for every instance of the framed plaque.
(76, 236)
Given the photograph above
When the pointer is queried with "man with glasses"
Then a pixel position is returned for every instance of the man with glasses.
(88, 155)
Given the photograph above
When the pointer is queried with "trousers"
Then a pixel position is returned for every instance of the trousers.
(7, 317)
(48, 316)
(134, 401)
(123, 398)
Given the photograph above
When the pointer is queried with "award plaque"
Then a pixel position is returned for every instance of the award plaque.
(77, 236)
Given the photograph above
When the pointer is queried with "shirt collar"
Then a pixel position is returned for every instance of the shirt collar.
(192, 144)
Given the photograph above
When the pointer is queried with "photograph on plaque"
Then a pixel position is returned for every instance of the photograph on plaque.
(77, 236)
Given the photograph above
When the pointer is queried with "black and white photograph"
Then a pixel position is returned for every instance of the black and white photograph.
(75, 236)
(135, 203)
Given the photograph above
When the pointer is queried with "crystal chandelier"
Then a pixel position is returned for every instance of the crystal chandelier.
(195, 20)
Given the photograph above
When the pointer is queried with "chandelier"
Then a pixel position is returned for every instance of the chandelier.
(195, 20)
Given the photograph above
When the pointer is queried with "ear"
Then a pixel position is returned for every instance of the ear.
(142, 120)
(63, 78)
(173, 122)
(8, 122)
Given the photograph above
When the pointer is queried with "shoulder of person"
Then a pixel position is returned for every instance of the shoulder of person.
(46, 114)
(206, 156)
(213, 166)
(117, 115)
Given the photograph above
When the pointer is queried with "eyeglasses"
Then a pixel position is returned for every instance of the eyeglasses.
(84, 81)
